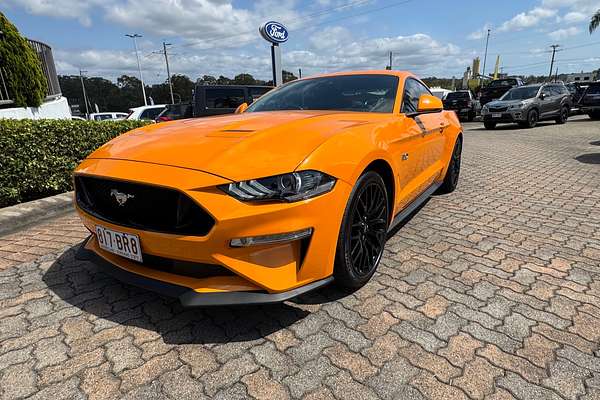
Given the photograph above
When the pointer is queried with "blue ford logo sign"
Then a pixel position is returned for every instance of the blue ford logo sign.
(274, 32)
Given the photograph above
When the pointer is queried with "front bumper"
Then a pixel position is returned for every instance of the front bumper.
(187, 296)
(269, 273)
(518, 115)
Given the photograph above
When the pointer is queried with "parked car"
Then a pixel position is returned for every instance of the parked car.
(146, 112)
(463, 103)
(175, 111)
(440, 93)
(76, 118)
(590, 100)
(105, 116)
(259, 207)
(224, 99)
(526, 105)
(496, 89)
(577, 89)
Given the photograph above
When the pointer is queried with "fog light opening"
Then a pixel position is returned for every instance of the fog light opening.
(271, 239)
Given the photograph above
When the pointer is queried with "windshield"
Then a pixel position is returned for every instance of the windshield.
(503, 82)
(521, 93)
(457, 95)
(363, 93)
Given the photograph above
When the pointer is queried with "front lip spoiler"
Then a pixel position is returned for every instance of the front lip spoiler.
(189, 297)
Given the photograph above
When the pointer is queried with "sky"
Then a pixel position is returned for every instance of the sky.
(220, 37)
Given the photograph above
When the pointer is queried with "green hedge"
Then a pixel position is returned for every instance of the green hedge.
(37, 157)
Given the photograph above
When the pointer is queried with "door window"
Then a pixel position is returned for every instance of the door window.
(413, 90)
(151, 113)
(224, 98)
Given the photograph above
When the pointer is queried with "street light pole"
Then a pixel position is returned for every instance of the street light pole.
(554, 47)
(487, 41)
(87, 111)
(134, 37)
(168, 71)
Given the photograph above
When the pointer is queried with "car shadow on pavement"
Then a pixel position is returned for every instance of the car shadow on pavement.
(591, 158)
(595, 143)
(83, 285)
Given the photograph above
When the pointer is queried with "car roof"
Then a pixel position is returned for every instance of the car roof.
(399, 74)
(149, 106)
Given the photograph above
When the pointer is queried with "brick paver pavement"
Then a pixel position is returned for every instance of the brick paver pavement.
(491, 292)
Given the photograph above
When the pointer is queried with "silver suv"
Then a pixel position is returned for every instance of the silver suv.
(526, 105)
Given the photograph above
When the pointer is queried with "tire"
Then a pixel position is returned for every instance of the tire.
(532, 119)
(471, 117)
(594, 115)
(363, 232)
(489, 125)
(564, 115)
(451, 179)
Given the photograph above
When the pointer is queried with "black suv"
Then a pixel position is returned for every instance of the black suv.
(495, 89)
(526, 105)
(224, 99)
(463, 103)
(590, 100)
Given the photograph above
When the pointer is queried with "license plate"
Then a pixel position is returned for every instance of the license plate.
(120, 243)
(497, 115)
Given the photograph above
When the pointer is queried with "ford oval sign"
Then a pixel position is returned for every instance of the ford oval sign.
(274, 32)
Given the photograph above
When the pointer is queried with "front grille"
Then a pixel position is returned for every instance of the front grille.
(144, 207)
(498, 109)
(184, 268)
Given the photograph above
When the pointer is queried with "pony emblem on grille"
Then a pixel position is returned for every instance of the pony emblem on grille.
(120, 197)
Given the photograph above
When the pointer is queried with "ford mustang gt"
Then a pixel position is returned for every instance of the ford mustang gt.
(290, 193)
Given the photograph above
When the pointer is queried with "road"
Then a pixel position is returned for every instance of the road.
(490, 292)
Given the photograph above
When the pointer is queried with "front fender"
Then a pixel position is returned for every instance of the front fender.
(346, 156)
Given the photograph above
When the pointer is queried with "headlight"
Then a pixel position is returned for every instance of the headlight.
(517, 106)
(290, 187)
(484, 109)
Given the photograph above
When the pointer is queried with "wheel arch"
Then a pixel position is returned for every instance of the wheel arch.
(385, 170)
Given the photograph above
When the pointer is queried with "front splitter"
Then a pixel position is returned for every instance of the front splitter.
(189, 297)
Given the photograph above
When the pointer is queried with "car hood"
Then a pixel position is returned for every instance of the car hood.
(236, 146)
(503, 103)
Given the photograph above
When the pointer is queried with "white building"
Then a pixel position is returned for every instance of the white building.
(581, 77)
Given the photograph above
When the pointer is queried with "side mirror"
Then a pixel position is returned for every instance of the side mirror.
(542, 96)
(241, 108)
(429, 103)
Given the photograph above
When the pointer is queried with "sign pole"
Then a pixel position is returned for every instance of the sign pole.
(276, 62)
(275, 33)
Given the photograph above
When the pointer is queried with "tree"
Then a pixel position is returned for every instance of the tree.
(244, 79)
(288, 76)
(21, 67)
(223, 80)
(594, 22)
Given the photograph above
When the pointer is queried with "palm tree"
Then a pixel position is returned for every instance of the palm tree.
(595, 21)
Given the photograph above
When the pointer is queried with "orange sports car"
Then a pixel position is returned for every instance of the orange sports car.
(297, 190)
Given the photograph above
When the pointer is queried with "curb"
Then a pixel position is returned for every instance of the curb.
(18, 216)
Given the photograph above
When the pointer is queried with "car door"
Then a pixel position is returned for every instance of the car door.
(425, 143)
(546, 102)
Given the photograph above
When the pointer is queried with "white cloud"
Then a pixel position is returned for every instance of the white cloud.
(76, 9)
(564, 33)
(418, 53)
(527, 19)
(574, 17)
(479, 34)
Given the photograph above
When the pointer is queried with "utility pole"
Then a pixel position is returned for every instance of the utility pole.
(554, 47)
(390, 66)
(487, 41)
(134, 36)
(87, 111)
(168, 71)
(299, 73)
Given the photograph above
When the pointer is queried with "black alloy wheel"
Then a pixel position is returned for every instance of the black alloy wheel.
(564, 115)
(532, 119)
(451, 179)
(363, 232)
